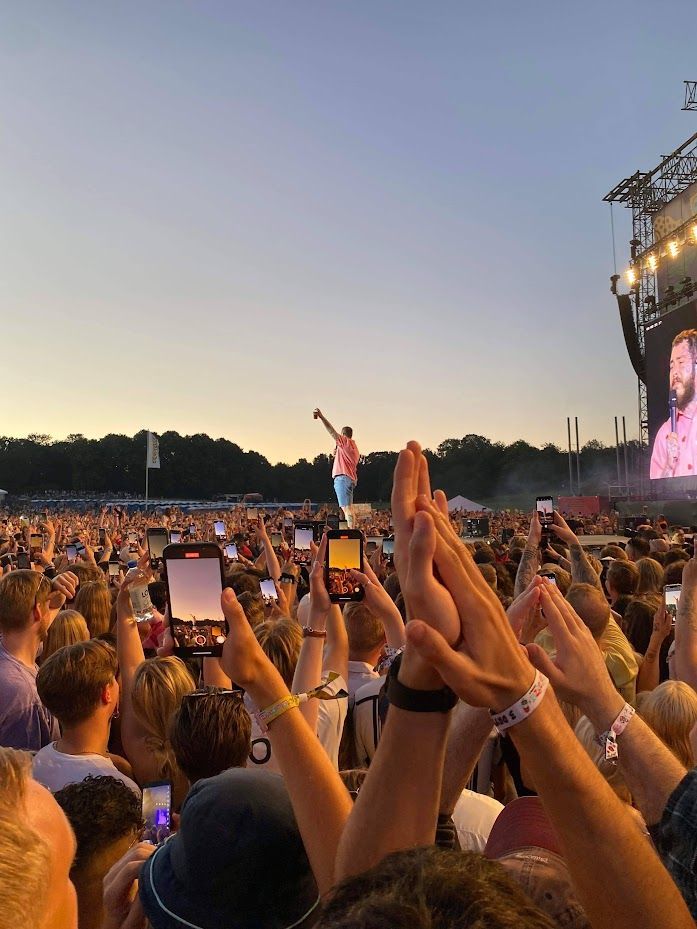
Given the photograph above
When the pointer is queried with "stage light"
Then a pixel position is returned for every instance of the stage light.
(694, 232)
(652, 262)
(688, 288)
(673, 248)
(631, 277)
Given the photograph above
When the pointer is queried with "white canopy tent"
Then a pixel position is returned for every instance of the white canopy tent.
(463, 503)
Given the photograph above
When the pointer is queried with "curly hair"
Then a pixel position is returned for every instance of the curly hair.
(101, 811)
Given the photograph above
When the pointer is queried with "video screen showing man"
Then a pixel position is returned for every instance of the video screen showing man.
(675, 446)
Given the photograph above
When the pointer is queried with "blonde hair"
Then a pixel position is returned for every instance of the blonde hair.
(68, 628)
(93, 600)
(650, 577)
(585, 733)
(671, 711)
(25, 857)
(158, 688)
(280, 640)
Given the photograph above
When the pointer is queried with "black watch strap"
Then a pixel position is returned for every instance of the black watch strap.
(417, 701)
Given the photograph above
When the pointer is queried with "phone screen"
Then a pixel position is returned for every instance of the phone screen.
(276, 539)
(71, 552)
(231, 551)
(157, 540)
(672, 594)
(288, 521)
(36, 542)
(252, 514)
(133, 537)
(195, 586)
(388, 546)
(114, 568)
(157, 812)
(545, 510)
(23, 560)
(550, 577)
(175, 536)
(219, 528)
(301, 544)
(102, 536)
(268, 591)
(342, 556)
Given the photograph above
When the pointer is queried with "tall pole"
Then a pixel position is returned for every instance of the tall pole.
(626, 464)
(617, 451)
(578, 460)
(147, 470)
(571, 467)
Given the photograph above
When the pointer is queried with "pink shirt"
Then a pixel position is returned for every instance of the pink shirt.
(346, 458)
(686, 428)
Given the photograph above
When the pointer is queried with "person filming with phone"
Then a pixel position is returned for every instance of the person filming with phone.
(345, 470)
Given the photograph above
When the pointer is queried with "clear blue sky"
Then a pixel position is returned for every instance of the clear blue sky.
(217, 215)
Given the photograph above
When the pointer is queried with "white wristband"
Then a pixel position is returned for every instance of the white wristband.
(608, 740)
(523, 707)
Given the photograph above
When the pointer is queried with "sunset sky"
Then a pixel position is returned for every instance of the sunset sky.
(219, 215)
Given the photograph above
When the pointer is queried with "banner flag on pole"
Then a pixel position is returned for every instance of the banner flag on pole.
(153, 460)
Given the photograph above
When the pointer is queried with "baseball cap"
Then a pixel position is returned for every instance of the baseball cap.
(524, 842)
(237, 860)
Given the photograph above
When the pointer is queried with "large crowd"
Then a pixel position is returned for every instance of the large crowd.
(501, 733)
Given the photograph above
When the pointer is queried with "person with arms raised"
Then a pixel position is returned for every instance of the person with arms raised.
(345, 470)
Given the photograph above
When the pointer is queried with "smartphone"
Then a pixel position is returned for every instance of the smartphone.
(36, 542)
(276, 539)
(550, 576)
(79, 548)
(333, 521)
(317, 531)
(219, 529)
(287, 522)
(388, 547)
(344, 552)
(71, 552)
(671, 592)
(156, 540)
(132, 538)
(194, 577)
(268, 592)
(102, 537)
(157, 811)
(231, 552)
(23, 560)
(114, 568)
(342, 524)
(252, 514)
(302, 538)
(175, 536)
(545, 510)
(373, 542)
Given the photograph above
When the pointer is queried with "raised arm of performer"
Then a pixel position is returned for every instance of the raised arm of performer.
(318, 414)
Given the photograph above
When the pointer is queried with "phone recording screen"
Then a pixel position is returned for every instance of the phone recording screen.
(388, 547)
(231, 551)
(157, 542)
(301, 543)
(672, 594)
(219, 528)
(71, 552)
(114, 569)
(175, 536)
(252, 514)
(545, 510)
(157, 815)
(195, 587)
(276, 539)
(133, 537)
(342, 556)
(36, 542)
(268, 591)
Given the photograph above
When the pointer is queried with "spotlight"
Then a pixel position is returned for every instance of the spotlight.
(652, 262)
(631, 277)
(673, 248)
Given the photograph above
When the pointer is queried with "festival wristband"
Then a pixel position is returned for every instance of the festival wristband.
(608, 739)
(522, 708)
(329, 689)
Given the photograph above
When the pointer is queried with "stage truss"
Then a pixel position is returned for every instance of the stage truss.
(646, 193)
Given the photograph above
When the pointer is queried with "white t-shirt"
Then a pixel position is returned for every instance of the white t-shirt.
(474, 817)
(56, 769)
(359, 673)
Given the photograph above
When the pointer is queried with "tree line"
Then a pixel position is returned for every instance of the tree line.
(197, 466)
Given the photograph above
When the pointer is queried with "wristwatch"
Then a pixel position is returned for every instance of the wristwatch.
(417, 701)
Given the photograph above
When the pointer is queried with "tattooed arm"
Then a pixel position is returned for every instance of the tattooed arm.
(530, 560)
(582, 571)
(686, 627)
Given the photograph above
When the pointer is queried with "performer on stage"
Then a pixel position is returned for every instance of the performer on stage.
(675, 446)
(345, 471)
